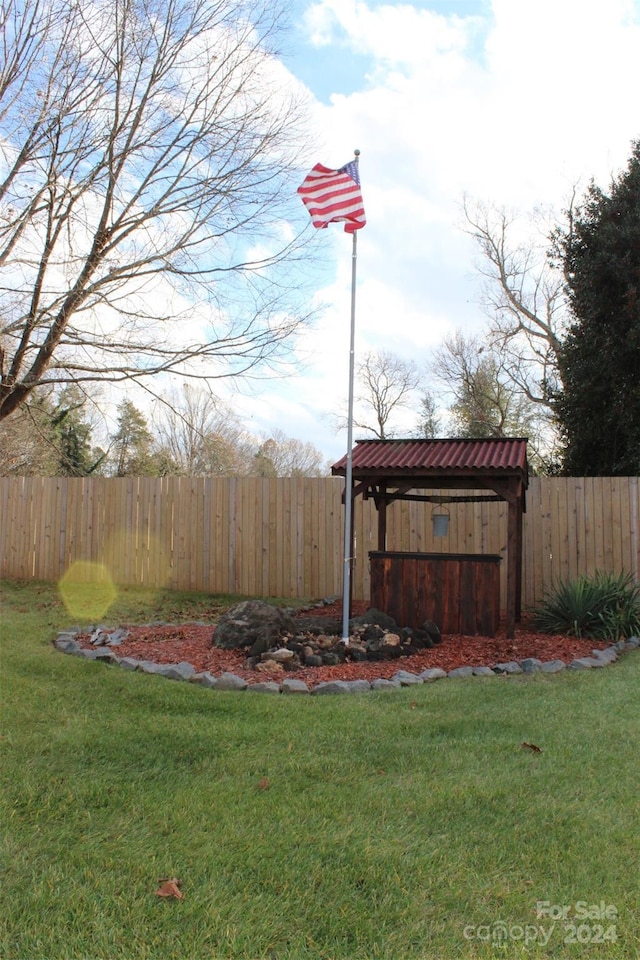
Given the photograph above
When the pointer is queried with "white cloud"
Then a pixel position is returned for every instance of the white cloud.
(512, 105)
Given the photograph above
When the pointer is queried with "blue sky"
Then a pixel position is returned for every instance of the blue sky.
(510, 102)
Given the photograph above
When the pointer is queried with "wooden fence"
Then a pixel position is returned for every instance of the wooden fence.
(268, 537)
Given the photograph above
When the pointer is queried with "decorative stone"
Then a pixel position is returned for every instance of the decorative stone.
(294, 686)
(88, 654)
(129, 663)
(313, 660)
(632, 643)
(177, 671)
(117, 637)
(107, 656)
(432, 630)
(607, 656)
(459, 672)
(280, 656)
(382, 684)
(552, 666)
(254, 624)
(230, 681)
(585, 663)
(68, 646)
(406, 679)
(483, 672)
(267, 686)
(510, 667)
(432, 673)
(331, 686)
(148, 666)
(530, 664)
(205, 679)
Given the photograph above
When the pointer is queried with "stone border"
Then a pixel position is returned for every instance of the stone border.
(104, 643)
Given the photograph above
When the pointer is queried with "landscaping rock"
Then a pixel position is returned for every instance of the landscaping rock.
(510, 667)
(88, 654)
(374, 616)
(406, 679)
(267, 686)
(254, 624)
(294, 686)
(530, 664)
(460, 672)
(609, 655)
(117, 637)
(332, 686)
(483, 672)
(632, 644)
(230, 681)
(107, 656)
(585, 663)
(281, 655)
(129, 663)
(382, 684)
(552, 666)
(313, 660)
(432, 673)
(177, 671)
(205, 679)
(148, 666)
(68, 646)
(432, 630)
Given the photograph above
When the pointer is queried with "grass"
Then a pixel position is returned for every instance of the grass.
(396, 826)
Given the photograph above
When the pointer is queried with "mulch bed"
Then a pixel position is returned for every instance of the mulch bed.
(192, 642)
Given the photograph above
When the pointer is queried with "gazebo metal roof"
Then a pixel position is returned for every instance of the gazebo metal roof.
(498, 456)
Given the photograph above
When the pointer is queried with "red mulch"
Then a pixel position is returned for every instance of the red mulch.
(191, 642)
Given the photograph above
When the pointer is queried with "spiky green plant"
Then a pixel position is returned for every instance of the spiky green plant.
(604, 606)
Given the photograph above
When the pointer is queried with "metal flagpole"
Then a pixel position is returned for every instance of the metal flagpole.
(348, 499)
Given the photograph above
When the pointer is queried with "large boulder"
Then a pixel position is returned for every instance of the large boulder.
(253, 624)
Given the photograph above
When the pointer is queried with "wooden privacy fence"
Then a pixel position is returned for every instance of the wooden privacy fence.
(284, 537)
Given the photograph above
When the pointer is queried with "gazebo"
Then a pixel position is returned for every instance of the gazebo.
(389, 470)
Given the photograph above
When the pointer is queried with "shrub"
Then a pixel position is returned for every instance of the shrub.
(605, 606)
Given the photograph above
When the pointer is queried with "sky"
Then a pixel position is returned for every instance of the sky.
(507, 102)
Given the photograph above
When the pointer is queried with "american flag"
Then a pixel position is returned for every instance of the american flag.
(334, 195)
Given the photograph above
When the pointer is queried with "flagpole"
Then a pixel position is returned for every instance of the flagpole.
(348, 481)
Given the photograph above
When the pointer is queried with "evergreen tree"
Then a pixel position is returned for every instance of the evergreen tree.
(599, 408)
(76, 455)
(131, 443)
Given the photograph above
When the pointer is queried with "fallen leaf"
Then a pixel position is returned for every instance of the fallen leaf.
(170, 888)
(413, 704)
(531, 746)
(289, 747)
(264, 784)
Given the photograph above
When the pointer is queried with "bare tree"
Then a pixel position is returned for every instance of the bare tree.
(524, 299)
(147, 159)
(202, 435)
(485, 402)
(385, 384)
(283, 456)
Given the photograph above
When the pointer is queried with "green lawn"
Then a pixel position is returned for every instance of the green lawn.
(393, 825)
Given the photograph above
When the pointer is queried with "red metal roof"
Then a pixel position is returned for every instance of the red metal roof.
(500, 455)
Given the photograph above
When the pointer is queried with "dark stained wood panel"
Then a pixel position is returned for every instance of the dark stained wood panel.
(459, 592)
